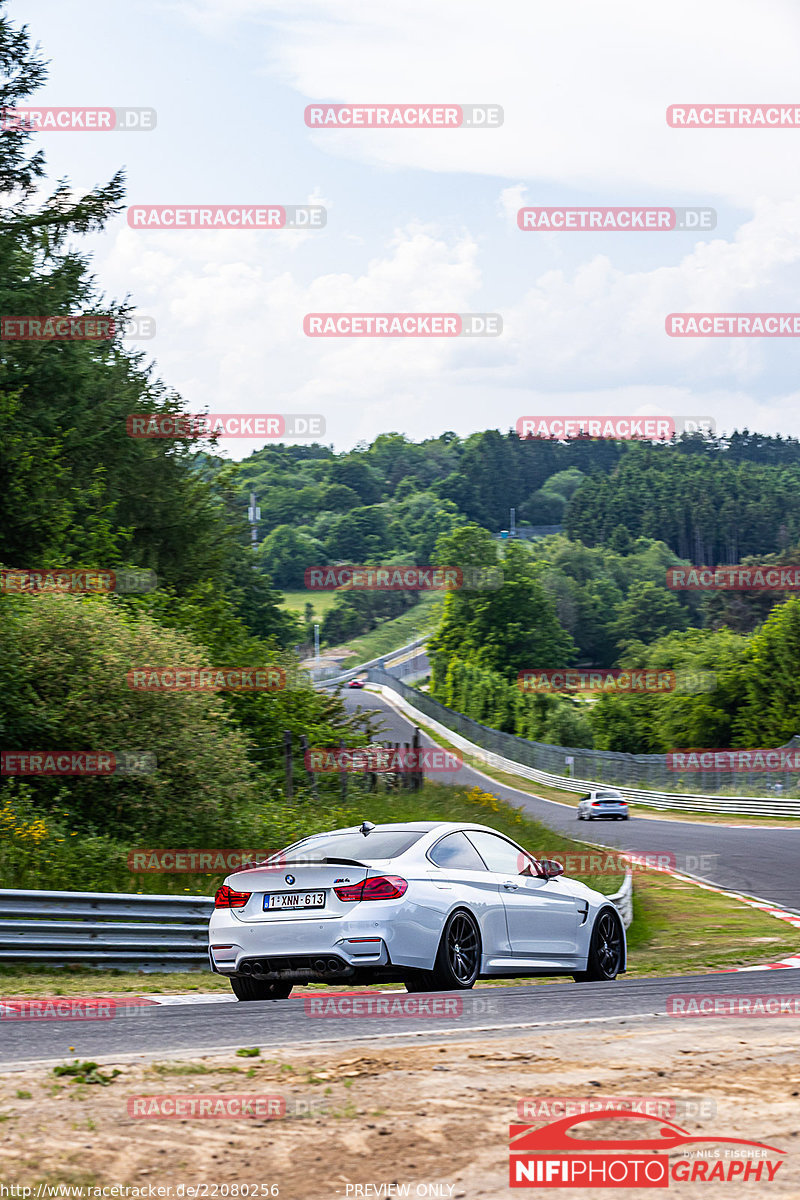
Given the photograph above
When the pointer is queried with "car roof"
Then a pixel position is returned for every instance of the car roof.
(411, 827)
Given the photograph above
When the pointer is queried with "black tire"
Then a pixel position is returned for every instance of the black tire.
(247, 988)
(627, 818)
(458, 958)
(580, 816)
(605, 949)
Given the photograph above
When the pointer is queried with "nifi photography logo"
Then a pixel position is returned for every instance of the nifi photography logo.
(656, 1152)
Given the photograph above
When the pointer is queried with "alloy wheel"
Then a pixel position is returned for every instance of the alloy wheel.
(462, 948)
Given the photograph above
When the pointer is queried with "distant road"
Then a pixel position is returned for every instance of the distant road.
(762, 862)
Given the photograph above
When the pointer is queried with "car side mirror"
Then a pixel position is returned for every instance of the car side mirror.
(550, 868)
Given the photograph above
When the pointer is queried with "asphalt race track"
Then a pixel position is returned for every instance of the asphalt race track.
(487, 1012)
(763, 862)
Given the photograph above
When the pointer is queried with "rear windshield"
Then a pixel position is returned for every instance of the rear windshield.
(388, 843)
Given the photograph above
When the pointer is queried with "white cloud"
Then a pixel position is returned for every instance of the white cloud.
(584, 86)
(230, 311)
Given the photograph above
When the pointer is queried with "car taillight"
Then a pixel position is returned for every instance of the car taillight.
(596, 804)
(381, 887)
(226, 897)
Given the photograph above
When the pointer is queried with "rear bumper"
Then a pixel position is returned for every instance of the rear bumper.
(344, 963)
(341, 959)
(367, 940)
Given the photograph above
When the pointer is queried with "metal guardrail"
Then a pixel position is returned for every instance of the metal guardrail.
(623, 900)
(105, 929)
(381, 660)
(450, 725)
(123, 930)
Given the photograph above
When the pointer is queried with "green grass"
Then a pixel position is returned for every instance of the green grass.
(389, 635)
(320, 601)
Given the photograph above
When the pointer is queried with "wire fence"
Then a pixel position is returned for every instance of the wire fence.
(601, 766)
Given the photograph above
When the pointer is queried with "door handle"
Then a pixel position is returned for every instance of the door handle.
(509, 886)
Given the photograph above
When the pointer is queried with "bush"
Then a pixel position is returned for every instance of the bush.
(64, 662)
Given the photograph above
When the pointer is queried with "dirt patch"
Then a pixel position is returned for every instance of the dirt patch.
(433, 1116)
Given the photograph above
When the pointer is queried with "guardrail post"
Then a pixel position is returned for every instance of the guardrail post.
(418, 775)
(312, 778)
(287, 755)
(342, 778)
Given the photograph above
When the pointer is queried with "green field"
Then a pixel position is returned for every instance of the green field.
(320, 601)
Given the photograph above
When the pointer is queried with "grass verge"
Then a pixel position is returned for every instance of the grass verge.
(397, 631)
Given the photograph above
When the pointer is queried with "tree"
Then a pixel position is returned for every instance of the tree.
(353, 472)
(285, 554)
(359, 535)
(66, 660)
(648, 612)
(75, 488)
(770, 715)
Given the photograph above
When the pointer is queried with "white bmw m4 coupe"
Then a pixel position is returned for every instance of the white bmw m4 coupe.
(432, 904)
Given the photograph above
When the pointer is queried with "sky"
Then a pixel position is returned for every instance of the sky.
(426, 220)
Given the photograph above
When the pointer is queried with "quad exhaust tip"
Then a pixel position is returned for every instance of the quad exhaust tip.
(321, 966)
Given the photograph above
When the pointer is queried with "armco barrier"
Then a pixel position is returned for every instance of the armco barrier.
(623, 900)
(105, 929)
(125, 931)
(530, 760)
(382, 659)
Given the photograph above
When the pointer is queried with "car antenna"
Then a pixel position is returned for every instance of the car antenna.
(366, 827)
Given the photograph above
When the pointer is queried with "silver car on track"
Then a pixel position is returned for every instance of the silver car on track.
(603, 805)
(433, 904)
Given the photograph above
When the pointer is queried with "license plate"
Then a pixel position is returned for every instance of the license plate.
(295, 900)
